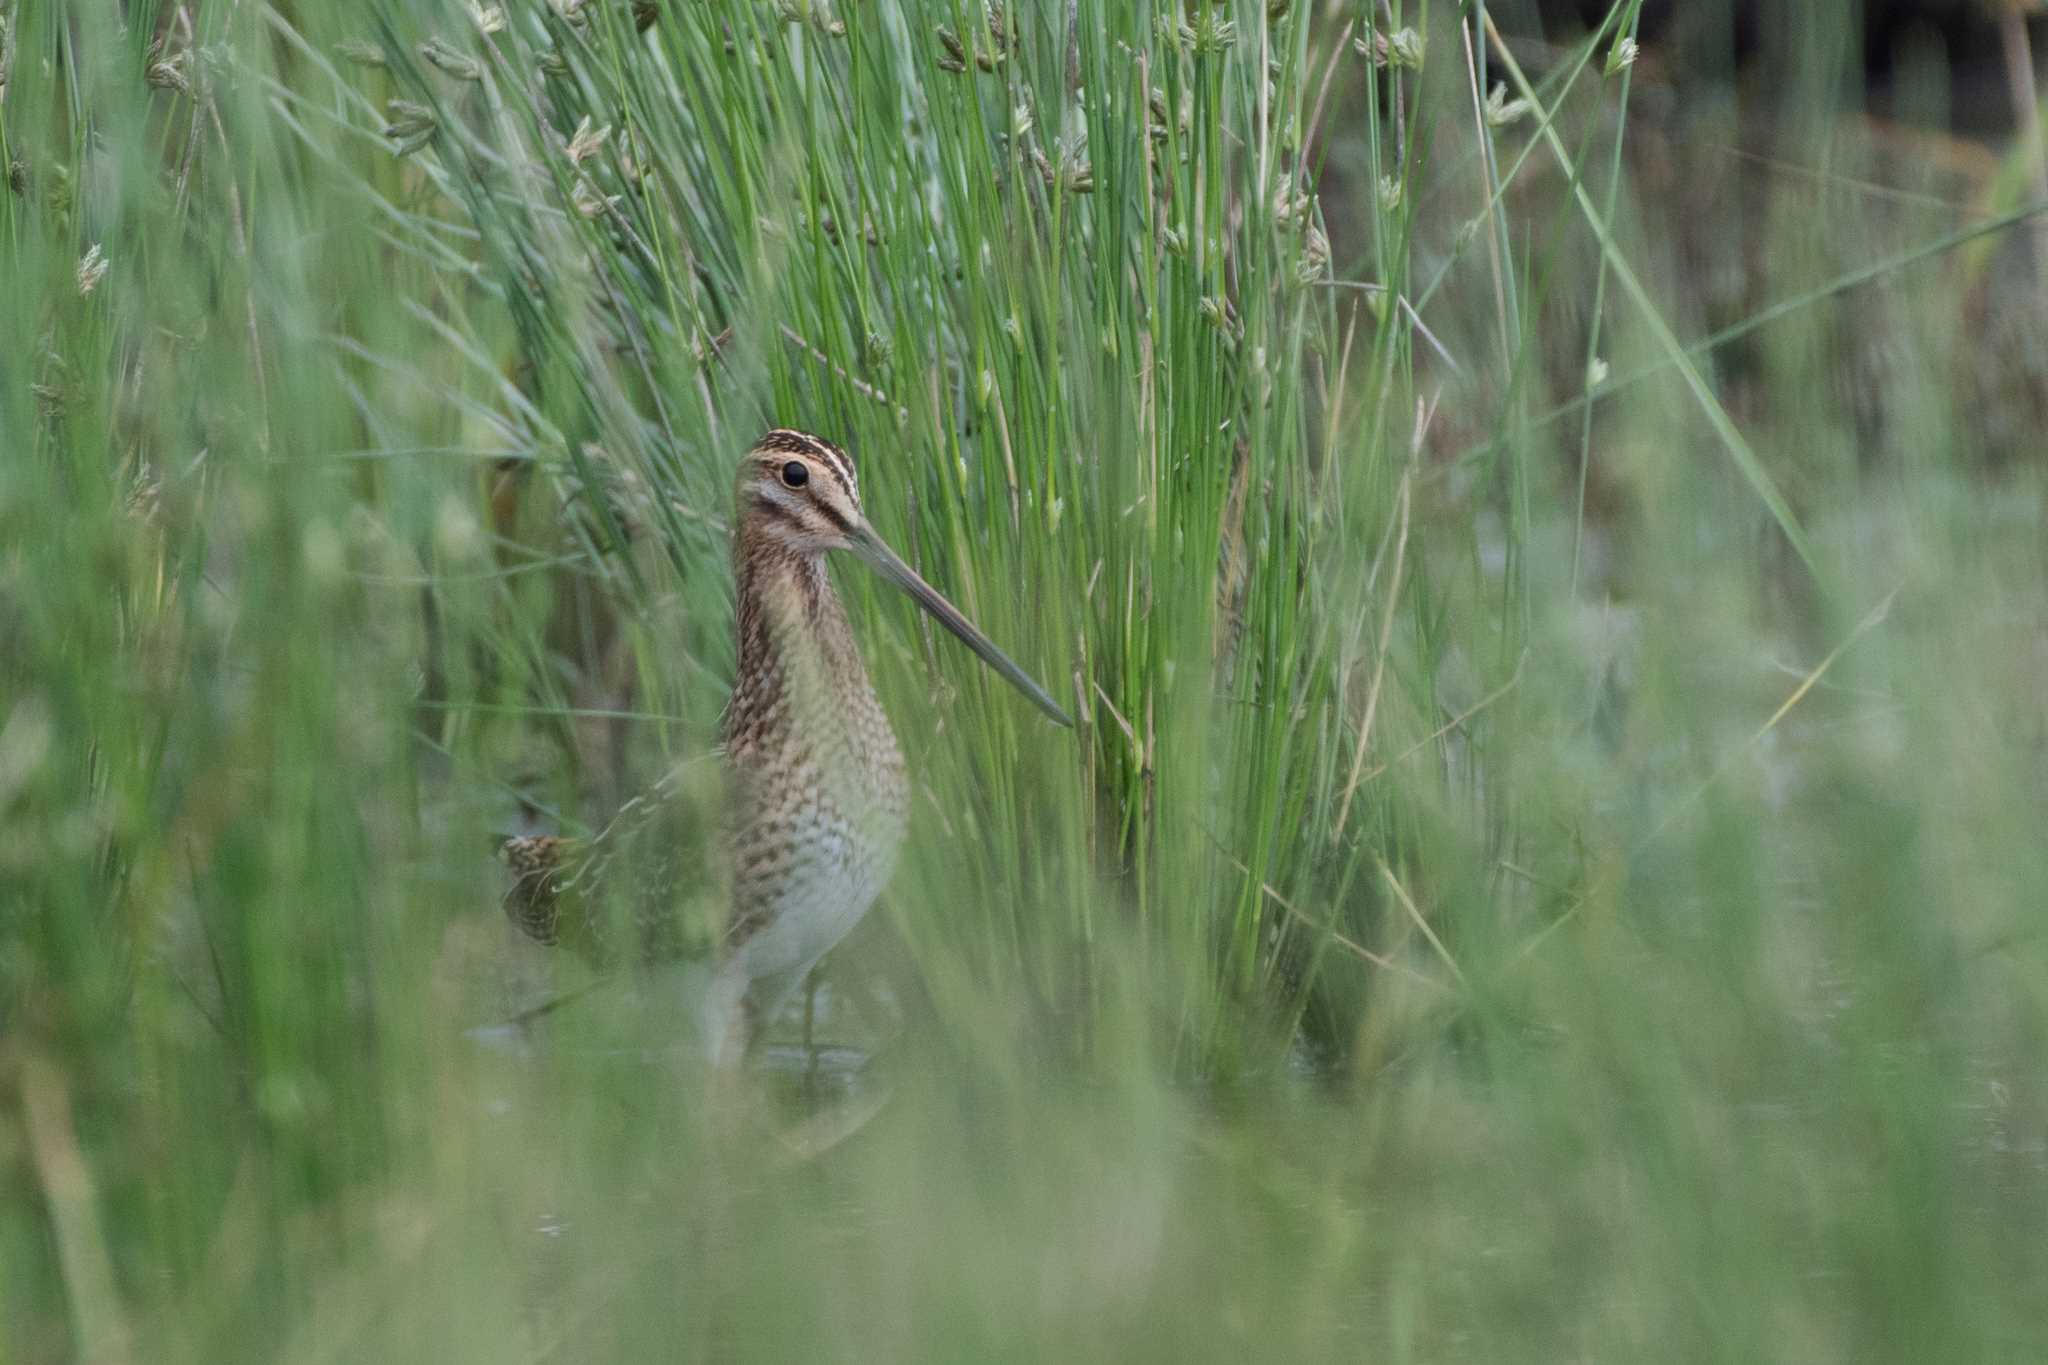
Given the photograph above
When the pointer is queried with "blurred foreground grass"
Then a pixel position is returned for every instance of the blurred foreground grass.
(1539, 878)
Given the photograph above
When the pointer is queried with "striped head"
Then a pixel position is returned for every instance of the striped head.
(798, 494)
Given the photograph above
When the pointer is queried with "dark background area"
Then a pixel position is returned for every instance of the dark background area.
(1707, 40)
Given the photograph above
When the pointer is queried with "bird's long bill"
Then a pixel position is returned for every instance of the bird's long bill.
(885, 562)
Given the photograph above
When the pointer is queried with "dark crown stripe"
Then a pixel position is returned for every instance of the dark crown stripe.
(784, 441)
(841, 465)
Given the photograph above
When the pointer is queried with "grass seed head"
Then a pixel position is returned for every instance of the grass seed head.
(412, 126)
(587, 141)
(438, 52)
(1501, 111)
(360, 51)
(167, 73)
(92, 268)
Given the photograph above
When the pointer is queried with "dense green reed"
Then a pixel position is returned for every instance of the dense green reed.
(1547, 553)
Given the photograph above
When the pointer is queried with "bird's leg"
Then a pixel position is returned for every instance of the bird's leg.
(726, 1019)
(810, 1046)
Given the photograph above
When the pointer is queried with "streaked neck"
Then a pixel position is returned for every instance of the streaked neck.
(793, 635)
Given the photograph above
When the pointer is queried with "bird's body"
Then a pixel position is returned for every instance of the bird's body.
(819, 795)
(818, 798)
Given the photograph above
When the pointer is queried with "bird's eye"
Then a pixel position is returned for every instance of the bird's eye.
(795, 475)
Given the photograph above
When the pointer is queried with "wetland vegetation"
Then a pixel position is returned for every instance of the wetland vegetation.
(1545, 545)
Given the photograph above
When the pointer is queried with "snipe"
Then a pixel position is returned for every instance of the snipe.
(818, 796)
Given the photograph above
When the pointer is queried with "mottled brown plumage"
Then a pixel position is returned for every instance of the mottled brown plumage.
(818, 798)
